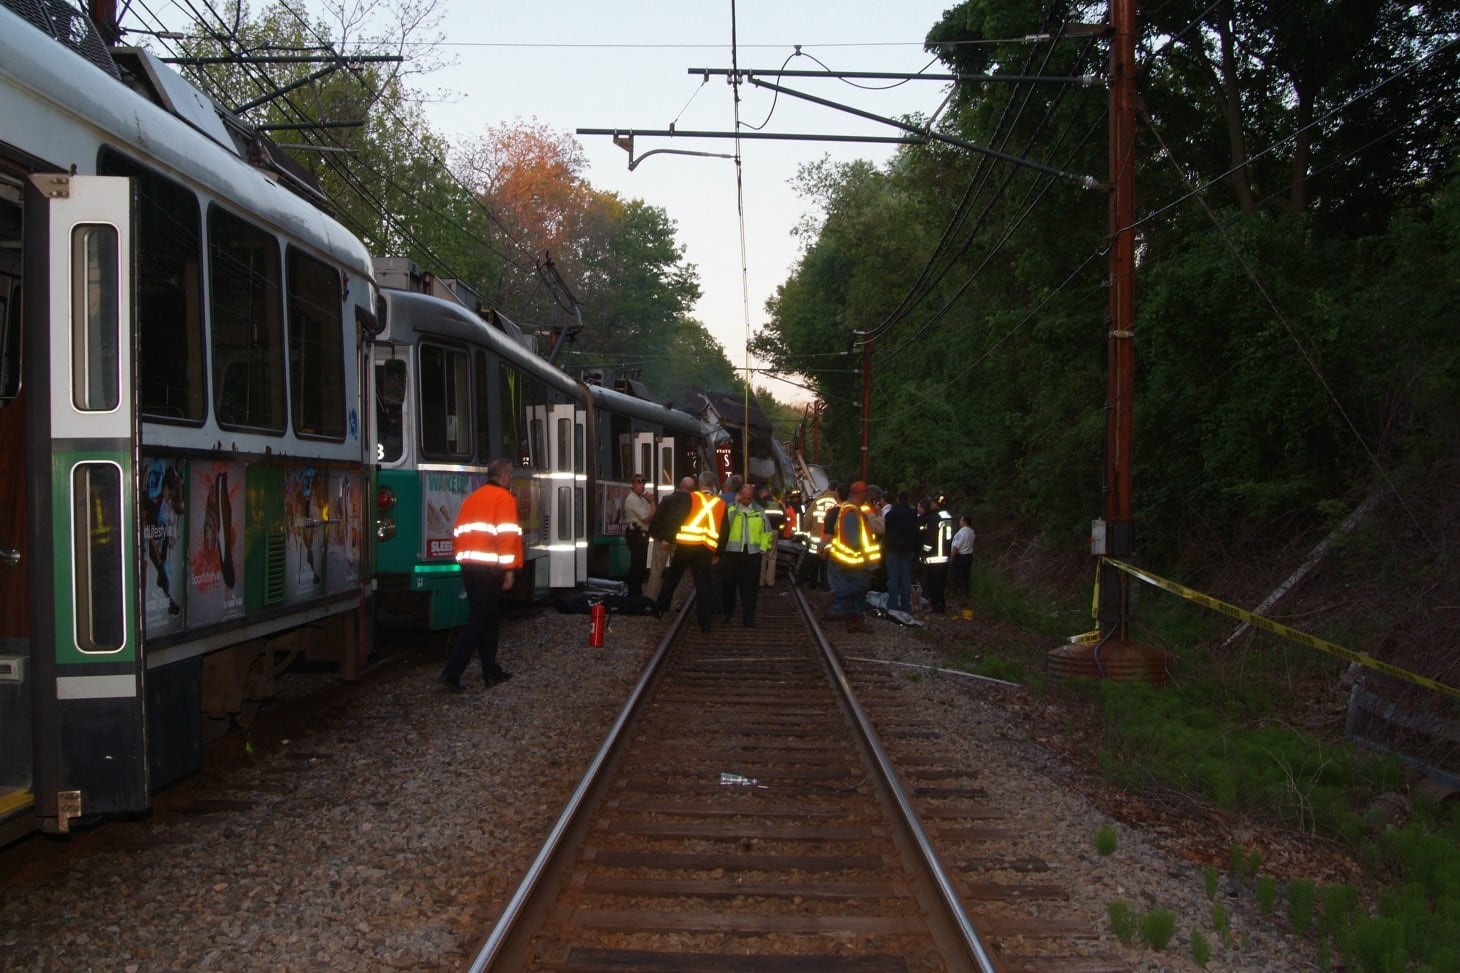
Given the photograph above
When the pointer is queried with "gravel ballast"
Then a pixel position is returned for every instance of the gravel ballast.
(389, 837)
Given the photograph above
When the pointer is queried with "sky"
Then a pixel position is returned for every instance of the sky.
(598, 64)
(601, 65)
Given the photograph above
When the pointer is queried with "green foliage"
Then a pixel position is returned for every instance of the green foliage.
(1209, 879)
(1378, 944)
(1221, 921)
(1302, 896)
(1157, 927)
(1201, 950)
(1340, 909)
(1244, 863)
(1190, 741)
(999, 598)
(1105, 840)
(1266, 894)
(1123, 922)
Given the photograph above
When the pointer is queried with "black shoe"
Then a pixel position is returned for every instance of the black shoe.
(450, 685)
(501, 675)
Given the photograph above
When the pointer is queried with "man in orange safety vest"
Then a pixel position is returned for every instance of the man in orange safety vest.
(488, 546)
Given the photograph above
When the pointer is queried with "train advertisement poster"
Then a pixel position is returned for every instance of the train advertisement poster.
(305, 500)
(164, 569)
(612, 520)
(346, 532)
(441, 497)
(215, 549)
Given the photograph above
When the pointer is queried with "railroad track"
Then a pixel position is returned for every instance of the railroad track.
(744, 815)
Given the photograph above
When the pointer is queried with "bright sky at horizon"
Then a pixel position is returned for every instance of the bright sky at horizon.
(590, 64)
(627, 66)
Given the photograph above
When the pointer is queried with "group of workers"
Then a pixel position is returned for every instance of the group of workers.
(847, 538)
(727, 540)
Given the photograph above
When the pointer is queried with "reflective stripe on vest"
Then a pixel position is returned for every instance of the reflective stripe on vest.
(487, 532)
(816, 517)
(868, 552)
(746, 531)
(702, 526)
(937, 552)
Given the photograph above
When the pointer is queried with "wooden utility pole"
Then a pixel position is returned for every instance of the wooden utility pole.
(866, 398)
(1120, 385)
(1112, 654)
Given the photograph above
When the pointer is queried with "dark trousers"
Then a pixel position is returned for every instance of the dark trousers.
(740, 574)
(483, 623)
(935, 585)
(638, 543)
(695, 559)
(958, 571)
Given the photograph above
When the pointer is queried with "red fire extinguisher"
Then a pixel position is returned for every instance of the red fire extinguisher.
(599, 614)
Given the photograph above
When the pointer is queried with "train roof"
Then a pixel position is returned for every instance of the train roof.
(159, 120)
(409, 314)
(615, 401)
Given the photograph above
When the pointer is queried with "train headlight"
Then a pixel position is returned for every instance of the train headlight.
(384, 528)
(385, 499)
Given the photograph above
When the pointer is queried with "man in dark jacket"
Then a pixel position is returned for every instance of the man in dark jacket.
(668, 517)
(901, 545)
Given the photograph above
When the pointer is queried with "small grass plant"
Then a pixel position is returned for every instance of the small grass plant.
(1157, 927)
(1201, 950)
(1106, 840)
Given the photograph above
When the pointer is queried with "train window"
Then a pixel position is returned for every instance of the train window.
(445, 402)
(97, 561)
(538, 447)
(511, 415)
(316, 347)
(565, 513)
(248, 345)
(580, 448)
(168, 309)
(483, 410)
(565, 445)
(646, 460)
(390, 397)
(95, 311)
(666, 465)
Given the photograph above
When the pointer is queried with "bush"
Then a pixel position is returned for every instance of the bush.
(1266, 894)
(1201, 950)
(1220, 920)
(1105, 840)
(1122, 922)
(1157, 928)
(1301, 896)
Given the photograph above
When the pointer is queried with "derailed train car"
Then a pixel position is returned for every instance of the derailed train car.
(457, 386)
(182, 382)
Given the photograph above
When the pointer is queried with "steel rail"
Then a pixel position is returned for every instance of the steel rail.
(592, 778)
(970, 940)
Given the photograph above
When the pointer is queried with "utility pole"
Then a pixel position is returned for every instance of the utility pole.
(866, 398)
(1113, 655)
(1120, 383)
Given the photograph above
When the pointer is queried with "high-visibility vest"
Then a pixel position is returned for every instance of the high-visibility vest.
(816, 516)
(702, 526)
(487, 532)
(937, 552)
(747, 531)
(867, 552)
(791, 527)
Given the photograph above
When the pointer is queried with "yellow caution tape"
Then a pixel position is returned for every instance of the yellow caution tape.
(1277, 628)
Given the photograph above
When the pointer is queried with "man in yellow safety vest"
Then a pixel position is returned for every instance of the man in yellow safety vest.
(855, 554)
(696, 548)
